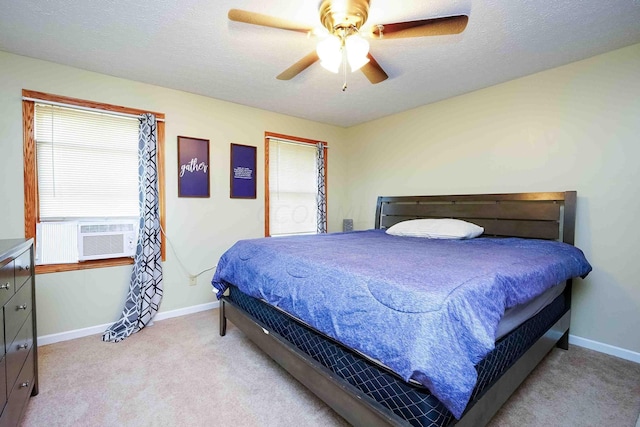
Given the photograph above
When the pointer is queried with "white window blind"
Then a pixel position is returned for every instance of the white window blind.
(87, 164)
(292, 188)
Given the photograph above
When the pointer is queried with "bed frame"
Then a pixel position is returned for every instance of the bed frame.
(531, 215)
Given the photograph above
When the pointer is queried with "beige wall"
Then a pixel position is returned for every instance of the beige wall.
(576, 127)
(200, 229)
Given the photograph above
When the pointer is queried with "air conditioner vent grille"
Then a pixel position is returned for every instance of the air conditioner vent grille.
(102, 244)
(107, 239)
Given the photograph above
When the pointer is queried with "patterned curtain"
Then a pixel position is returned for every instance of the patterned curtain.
(321, 198)
(145, 288)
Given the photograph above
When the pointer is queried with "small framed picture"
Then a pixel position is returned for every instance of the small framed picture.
(243, 171)
(193, 167)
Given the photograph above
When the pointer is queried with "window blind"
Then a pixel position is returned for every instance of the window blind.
(292, 188)
(87, 164)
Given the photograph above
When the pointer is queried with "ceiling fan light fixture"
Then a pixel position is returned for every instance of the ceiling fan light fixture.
(357, 51)
(330, 53)
(328, 49)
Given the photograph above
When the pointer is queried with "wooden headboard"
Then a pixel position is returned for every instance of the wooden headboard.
(533, 215)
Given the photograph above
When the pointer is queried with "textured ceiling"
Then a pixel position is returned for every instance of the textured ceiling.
(190, 45)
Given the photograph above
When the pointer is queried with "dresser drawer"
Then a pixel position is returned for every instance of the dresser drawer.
(16, 311)
(17, 351)
(7, 282)
(19, 394)
(22, 268)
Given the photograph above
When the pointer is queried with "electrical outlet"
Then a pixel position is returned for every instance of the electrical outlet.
(193, 280)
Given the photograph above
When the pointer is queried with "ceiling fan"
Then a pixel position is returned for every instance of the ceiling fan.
(341, 35)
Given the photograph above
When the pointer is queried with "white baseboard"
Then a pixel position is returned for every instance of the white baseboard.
(187, 310)
(98, 329)
(605, 348)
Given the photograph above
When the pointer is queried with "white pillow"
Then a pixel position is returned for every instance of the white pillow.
(442, 228)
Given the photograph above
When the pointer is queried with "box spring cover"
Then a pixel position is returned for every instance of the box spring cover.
(409, 401)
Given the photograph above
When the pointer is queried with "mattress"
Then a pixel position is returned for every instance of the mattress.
(515, 316)
(410, 402)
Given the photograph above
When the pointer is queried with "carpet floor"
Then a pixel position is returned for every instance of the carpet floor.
(180, 372)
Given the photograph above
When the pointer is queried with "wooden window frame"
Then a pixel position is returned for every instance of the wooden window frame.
(31, 202)
(267, 137)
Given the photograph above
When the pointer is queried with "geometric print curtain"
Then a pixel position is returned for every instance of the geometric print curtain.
(321, 196)
(145, 288)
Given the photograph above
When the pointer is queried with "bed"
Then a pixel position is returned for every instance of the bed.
(364, 378)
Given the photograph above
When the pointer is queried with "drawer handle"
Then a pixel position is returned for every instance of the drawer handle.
(6, 286)
(23, 346)
(21, 307)
(25, 384)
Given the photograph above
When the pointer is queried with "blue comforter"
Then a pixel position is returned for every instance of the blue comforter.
(427, 309)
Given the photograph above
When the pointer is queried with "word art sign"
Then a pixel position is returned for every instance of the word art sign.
(243, 171)
(193, 167)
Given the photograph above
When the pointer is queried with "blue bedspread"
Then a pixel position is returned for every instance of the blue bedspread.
(427, 309)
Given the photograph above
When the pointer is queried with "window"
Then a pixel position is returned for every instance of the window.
(81, 164)
(291, 181)
(87, 164)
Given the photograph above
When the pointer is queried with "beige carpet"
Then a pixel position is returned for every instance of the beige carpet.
(180, 372)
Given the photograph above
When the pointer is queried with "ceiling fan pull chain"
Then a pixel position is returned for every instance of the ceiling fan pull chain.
(344, 67)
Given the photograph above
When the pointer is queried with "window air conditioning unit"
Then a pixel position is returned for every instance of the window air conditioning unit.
(107, 239)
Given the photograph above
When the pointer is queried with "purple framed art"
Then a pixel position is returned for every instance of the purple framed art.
(243, 171)
(193, 167)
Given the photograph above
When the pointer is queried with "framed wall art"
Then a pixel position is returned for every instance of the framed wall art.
(193, 167)
(243, 171)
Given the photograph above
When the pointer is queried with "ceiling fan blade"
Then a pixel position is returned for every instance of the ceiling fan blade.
(373, 71)
(266, 21)
(298, 67)
(423, 27)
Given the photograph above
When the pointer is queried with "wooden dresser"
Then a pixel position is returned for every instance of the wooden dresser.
(18, 337)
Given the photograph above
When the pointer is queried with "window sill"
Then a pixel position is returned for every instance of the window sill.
(84, 265)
